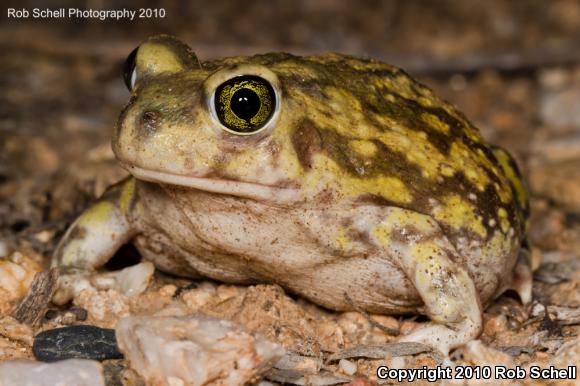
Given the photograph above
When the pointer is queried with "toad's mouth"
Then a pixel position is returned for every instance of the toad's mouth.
(229, 187)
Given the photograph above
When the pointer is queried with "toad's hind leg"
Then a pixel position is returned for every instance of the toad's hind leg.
(431, 262)
(449, 295)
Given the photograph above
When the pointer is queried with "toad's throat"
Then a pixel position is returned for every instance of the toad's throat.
(234, 188)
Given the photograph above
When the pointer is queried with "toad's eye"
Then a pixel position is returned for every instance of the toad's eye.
(244, 104)
(129, 70)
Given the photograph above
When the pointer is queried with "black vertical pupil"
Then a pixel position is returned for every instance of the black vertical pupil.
(245, 103)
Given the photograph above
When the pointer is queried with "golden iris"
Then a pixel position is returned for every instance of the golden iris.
(244, 104)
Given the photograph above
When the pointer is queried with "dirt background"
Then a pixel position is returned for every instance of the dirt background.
(513, 67)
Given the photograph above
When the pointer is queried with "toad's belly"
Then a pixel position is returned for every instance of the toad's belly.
(240, 241)
(372, 284)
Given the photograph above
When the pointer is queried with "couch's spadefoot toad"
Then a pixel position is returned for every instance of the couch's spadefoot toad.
(341, 179)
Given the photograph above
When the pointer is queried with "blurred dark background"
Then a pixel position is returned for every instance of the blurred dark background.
(426, 35)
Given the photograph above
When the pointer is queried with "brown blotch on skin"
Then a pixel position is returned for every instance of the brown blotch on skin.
(148, 123)
(408, 234)
(523, 207)
(374, 199)
(307, 141)
(188, 163)
(78, 233)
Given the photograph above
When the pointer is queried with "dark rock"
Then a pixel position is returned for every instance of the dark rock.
(80, 313)
(83, 341)
(51, 314)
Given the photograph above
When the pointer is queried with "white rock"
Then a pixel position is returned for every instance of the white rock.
(16, 274)
(72, 372)
(347, 366)
(129, 281)
(194, 350)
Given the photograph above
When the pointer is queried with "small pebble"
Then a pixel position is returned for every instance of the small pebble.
(44, 236)
(538, 309)
(51, 314)
(167, 290)
(347, 366)
(80, 313)
(495, 325)
(398, 363)
(83, 341)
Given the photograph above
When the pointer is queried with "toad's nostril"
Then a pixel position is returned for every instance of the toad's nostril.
(188, 163)
(148, 124)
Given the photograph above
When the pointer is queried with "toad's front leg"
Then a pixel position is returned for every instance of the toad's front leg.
(432, 264)
(94, 237)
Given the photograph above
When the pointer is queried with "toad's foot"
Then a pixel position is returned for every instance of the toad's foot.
(523, 277)
(129, 281)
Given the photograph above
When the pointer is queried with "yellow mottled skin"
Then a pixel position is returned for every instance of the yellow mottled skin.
(346, 176)
(127, 194)
(459, 213)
